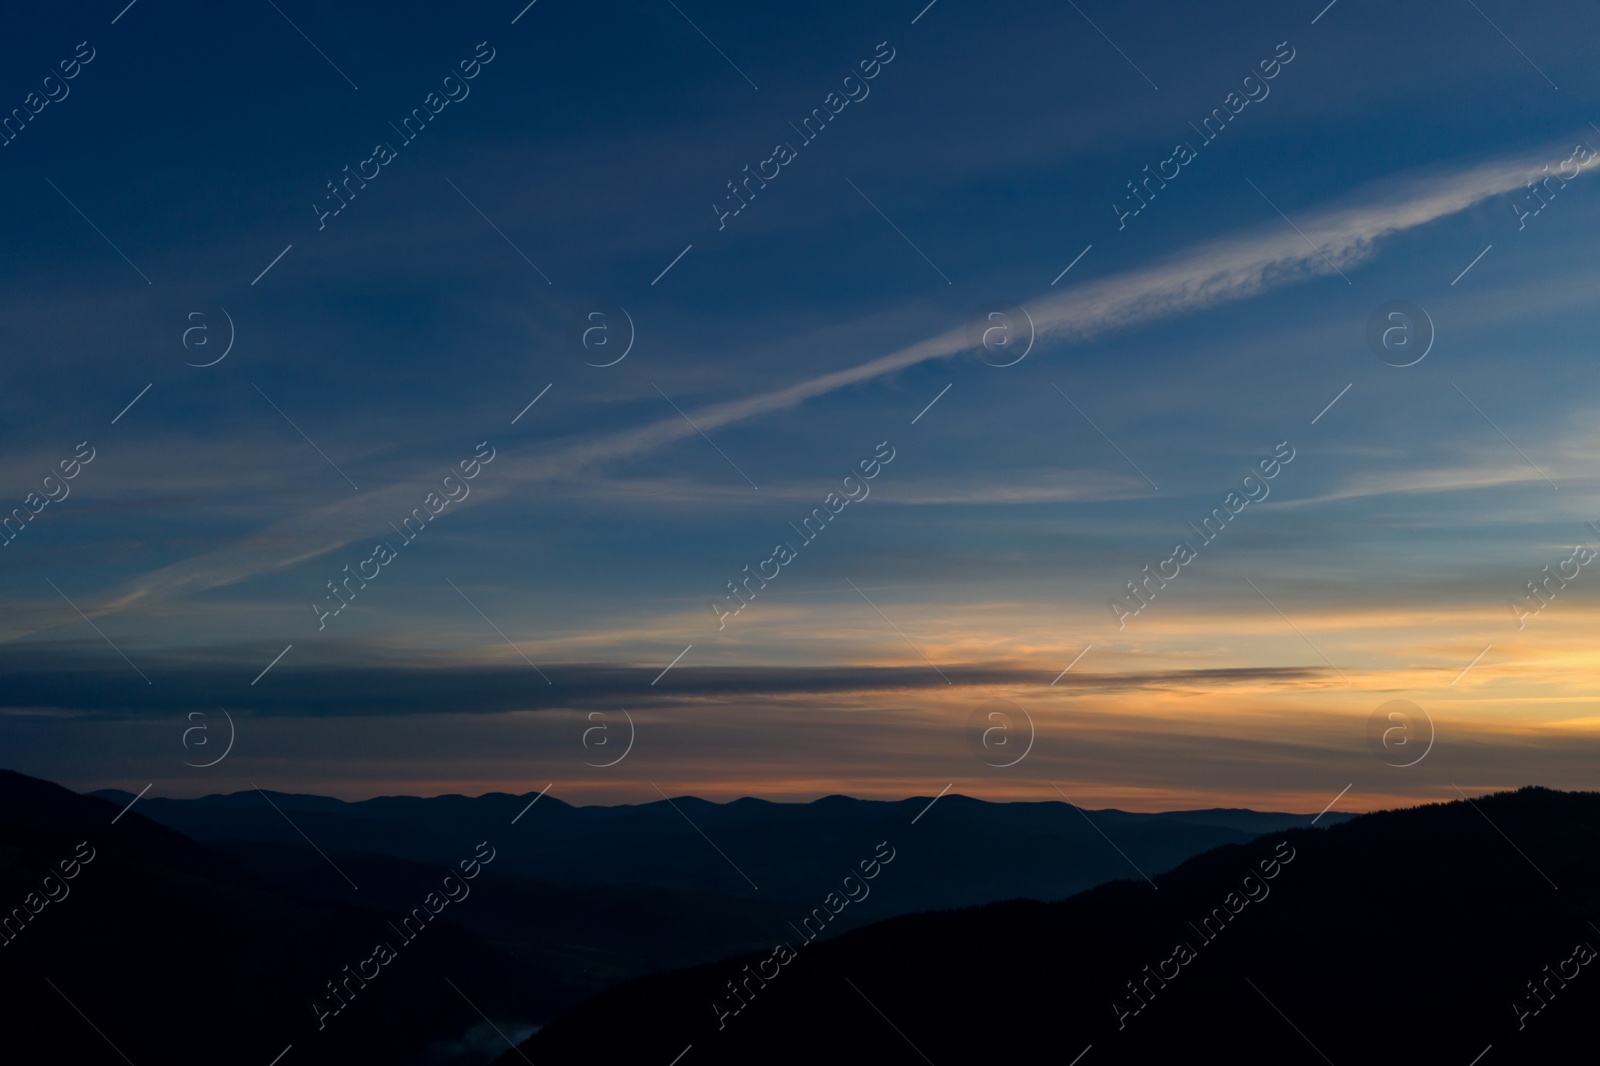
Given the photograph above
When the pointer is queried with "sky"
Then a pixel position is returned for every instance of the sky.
(614, 296)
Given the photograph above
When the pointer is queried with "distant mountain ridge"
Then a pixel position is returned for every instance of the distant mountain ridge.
(250, 910)
(983, 851)
(1459, 932)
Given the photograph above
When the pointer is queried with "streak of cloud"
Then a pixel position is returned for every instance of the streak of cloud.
(1215, 273)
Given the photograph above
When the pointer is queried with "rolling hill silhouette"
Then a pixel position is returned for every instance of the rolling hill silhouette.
(984, 851)
(1433, 934)
(1458, 932)
(157, 949)
(168, 949)
(584, 897)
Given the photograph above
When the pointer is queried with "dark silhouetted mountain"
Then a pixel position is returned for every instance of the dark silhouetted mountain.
(123, 938)
(983, 852)
(1422, 935)
(576, 939)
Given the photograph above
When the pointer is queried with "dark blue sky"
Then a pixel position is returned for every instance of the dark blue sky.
(579, 172)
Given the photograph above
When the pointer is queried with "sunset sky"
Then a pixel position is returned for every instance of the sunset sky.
(1387, 158)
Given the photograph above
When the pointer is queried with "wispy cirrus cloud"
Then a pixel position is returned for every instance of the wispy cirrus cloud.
(1336, 237)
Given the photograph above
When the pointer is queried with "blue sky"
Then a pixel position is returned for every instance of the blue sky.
(585, 158)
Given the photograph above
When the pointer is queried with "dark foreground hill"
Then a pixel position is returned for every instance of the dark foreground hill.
(575, 939)
(121, 936)
(585, 897)
(121, 940)
(1437, 934)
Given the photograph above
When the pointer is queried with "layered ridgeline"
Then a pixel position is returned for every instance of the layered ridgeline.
(121, 940)
(1434, 934)
(973, 851)
(121, 936)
